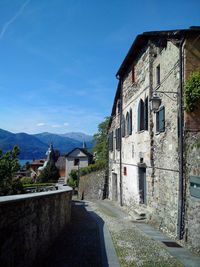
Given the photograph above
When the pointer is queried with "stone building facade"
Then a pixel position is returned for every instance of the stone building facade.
(148, 163)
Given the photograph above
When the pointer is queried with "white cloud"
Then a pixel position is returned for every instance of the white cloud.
(12, 20)
(56, 126)
(41, 124)
(66, 124)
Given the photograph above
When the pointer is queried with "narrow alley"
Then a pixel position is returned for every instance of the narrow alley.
(88, 242)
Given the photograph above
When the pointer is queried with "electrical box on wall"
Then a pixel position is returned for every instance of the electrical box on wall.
(195, 186)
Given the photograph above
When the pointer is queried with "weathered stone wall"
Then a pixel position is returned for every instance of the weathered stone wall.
(91, 186)
(164, 200)
(114, 159)
(192, 150)
(29, 224)
(136, 145)
(157, 151)
(192, 205)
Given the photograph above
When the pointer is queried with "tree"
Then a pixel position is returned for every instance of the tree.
(9, 165)
(50, 172)
(192, 92)
(101, 143)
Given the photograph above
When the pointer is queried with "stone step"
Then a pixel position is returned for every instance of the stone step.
(61, 180)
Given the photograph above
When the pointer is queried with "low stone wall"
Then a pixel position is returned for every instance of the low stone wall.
(30, 223)
(91, 186)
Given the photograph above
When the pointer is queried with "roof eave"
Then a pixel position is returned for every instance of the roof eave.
(143, 38)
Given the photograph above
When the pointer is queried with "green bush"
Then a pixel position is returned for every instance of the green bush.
(71, 182)
(38, 184)
(73, 174)
(192, 92)
(26, 180)
(91, 168)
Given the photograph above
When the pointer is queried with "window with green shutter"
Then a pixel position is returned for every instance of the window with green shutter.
(127, 123)
(146, 104)
(160, 120)
(130, 122)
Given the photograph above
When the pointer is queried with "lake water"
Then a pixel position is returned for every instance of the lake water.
(23, 161)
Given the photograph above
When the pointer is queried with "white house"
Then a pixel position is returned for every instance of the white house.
(77, 158)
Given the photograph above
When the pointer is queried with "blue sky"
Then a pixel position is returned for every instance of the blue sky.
(58, 58)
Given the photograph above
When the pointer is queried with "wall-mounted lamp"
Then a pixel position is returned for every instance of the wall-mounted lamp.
(155, 102)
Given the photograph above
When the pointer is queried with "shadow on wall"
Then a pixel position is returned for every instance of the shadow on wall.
(82, 244)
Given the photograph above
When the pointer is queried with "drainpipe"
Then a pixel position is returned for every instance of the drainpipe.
(120, 146)
(181, 203)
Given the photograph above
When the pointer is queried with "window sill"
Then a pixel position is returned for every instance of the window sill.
(141, 131)
(157, 133)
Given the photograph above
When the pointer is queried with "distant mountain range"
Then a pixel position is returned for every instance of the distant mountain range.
(35, 146)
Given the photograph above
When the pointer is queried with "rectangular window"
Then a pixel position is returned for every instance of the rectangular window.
(76, 162)
(125, 171)
(160, 120)
(133, 74)
(123, 126)
(110, 141)
(158, 74)
(118, 138)
(146, 105)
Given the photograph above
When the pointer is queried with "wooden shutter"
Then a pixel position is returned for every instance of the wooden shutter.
(162, 119)
(157, 121)
(127, 124)
(130, 122)
(123, 126)
(146, 114)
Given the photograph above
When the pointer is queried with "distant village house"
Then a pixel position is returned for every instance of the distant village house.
(76, 159)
